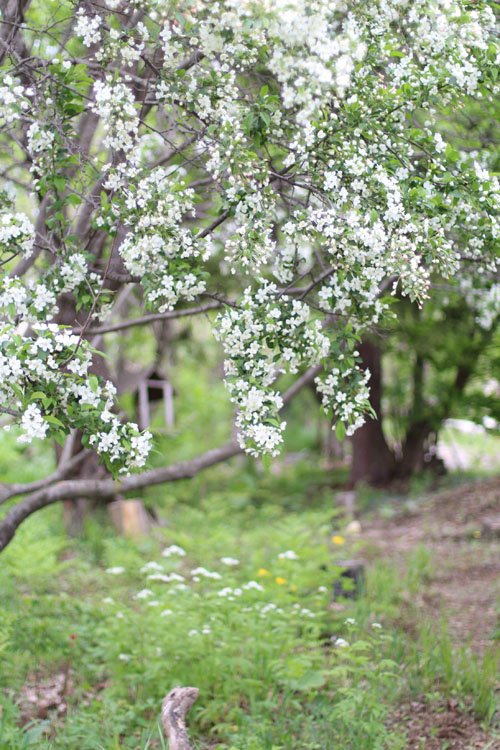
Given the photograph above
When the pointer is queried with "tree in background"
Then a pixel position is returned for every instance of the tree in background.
(439, 356)
(257, 162)
(437, 364)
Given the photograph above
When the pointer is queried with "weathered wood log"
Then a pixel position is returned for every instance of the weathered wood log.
(173, 716)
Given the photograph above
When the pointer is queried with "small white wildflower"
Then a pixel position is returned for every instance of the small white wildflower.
(108, 600)
(205, 573)
(341, 643)
(307, 612)
(166, 613)
(115, 571)
(377, 626)
(143, 594)
(158, 577)
(253, 585)
(174, 550)
(350, 621)
(288, 555)
(151, 566)
(229, 561)
(124, 657)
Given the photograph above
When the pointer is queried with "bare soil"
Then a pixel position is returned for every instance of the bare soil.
(441, 727)
(456, 527)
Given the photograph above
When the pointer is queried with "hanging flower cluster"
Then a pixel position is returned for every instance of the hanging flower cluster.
(68, 396)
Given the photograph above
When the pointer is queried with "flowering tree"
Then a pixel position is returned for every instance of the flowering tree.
(281, 161)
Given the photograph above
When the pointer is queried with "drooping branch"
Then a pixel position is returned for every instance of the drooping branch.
(7, 491)
(108, 488)
(173, 716)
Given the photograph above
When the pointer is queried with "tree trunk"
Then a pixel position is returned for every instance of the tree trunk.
(75, 511)
(414, 448)
(415, 442)
(372, 460)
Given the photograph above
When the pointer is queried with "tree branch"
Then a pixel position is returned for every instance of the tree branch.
(7, 491)
(108, 488)
(145, 319)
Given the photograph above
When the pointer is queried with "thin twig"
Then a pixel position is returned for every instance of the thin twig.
(146, 319)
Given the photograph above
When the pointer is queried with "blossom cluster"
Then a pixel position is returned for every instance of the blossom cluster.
(17, 234)
(270, 332)
(14, 100)
(45, 378)
(159, 248)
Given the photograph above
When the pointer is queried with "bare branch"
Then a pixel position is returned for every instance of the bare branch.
(146, 319)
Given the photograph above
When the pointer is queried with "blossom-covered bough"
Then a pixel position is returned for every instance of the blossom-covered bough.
(280, 166)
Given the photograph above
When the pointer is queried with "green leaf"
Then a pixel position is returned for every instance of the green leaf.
(54, 420)
(266, 461)
(340, 431)
(38, 396)
(59, 183)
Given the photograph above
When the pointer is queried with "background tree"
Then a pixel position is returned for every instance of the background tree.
(439, 357)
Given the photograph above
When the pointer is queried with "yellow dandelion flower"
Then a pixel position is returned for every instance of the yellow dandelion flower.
(337, 539)
(262, 572)
(280, 581)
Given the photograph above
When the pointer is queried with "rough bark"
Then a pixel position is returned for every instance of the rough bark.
(420, 426)
(173, 715)
(372, 460)
(13, 15)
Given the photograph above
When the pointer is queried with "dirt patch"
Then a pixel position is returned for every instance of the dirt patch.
(464, 586)
(465, 580)
(441, 727)
(42, 696)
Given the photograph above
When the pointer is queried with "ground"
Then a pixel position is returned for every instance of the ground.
(440, 728)
(71, 610)
(463, 585)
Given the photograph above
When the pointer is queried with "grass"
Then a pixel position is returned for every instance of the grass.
(269, 664)
(267, 658)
